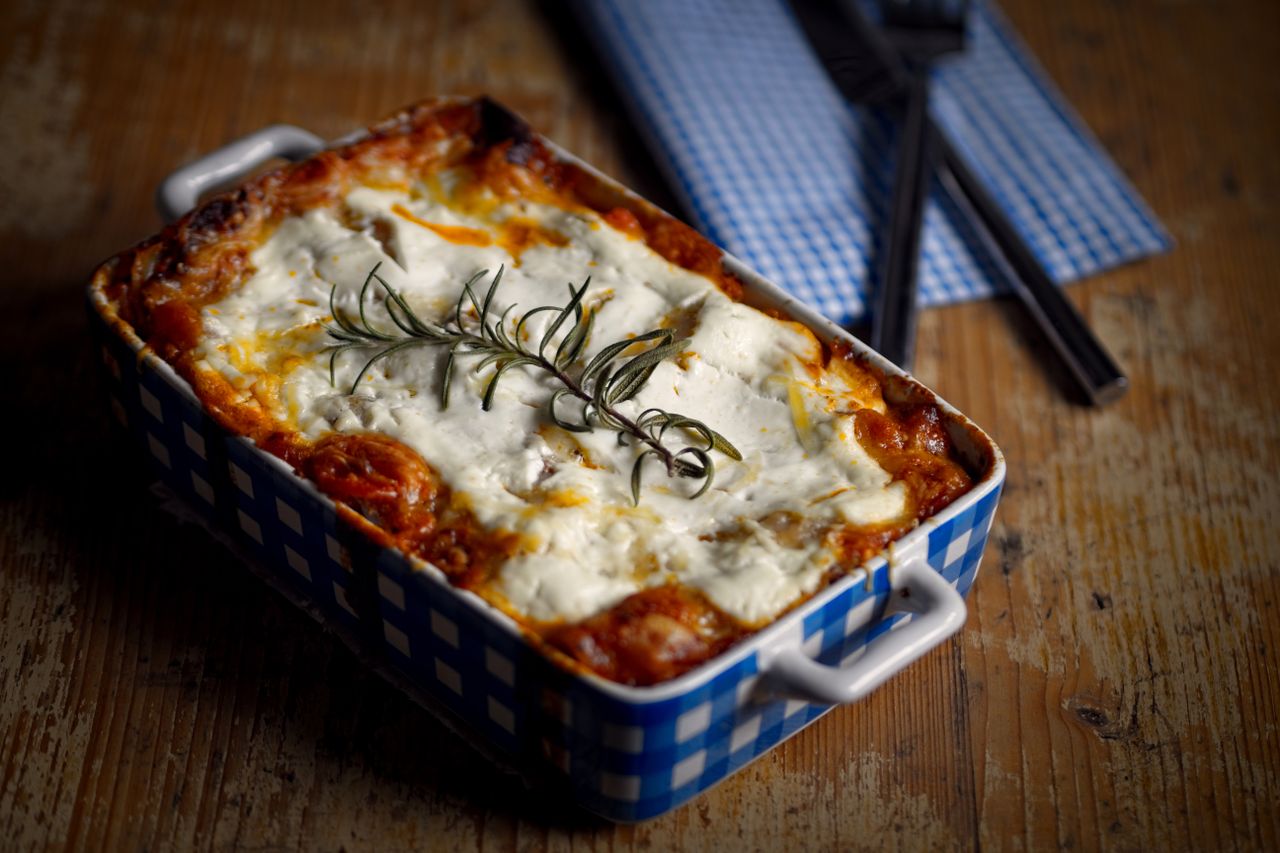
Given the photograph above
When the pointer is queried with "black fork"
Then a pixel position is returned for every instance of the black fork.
(921, 31)
(867, 69)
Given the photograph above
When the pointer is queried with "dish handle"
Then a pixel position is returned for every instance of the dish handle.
(939, 612)
(182, 188)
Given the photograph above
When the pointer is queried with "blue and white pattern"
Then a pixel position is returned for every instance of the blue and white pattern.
(773, 165)
(620, 753)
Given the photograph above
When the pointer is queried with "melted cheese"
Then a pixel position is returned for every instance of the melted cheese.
(754, 543)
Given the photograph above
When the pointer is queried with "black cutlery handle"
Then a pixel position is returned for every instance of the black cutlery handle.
(1089, 362)
(894, 315)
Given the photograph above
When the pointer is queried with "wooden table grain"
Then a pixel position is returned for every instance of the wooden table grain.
(1117, 685)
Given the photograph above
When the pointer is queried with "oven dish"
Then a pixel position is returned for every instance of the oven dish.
(578, 474)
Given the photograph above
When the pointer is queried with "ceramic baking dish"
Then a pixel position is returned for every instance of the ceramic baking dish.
(627, 753)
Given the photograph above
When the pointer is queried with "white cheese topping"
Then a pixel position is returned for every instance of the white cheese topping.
(754, 543)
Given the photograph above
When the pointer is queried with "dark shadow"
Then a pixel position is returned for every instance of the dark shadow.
(595, 80)
(1039, 352)
(55, 432)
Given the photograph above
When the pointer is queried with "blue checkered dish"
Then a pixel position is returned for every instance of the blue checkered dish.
(627, 753)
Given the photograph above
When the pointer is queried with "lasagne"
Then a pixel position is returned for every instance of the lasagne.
(611, 562)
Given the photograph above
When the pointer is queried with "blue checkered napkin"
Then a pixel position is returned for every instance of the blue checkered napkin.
(773, 165)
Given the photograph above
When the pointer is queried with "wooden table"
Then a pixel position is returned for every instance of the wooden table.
(1117, 685)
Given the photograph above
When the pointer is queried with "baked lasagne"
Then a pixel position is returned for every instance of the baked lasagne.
(611, 562)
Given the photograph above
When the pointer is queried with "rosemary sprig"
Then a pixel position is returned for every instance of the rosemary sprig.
(599, 386)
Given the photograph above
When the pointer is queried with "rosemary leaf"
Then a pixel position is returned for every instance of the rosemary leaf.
(635, 475)
(565, 312)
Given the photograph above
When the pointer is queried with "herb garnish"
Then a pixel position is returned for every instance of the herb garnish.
(600, 385)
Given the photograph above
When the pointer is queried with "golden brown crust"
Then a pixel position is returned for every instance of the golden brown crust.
(159, 287)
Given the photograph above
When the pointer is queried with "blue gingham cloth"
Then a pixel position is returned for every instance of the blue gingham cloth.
(773, 165)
